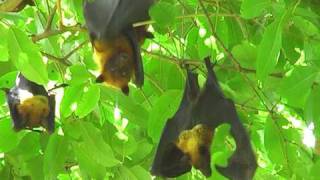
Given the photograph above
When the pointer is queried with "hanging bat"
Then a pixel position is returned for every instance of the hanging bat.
(187, 136)
(116, 43)
(30, 105)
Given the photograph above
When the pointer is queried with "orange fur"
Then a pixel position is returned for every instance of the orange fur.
(34, 111)
(104, 52)
(189, 143)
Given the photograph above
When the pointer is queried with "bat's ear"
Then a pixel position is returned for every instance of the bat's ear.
(100, 79)
(125, 90)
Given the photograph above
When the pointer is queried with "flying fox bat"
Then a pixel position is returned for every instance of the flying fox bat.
(187, 136)
(115, 41)
(30, 105)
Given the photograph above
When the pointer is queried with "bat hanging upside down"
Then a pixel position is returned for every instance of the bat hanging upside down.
(186, 138)
(115, 41)
(30, 105)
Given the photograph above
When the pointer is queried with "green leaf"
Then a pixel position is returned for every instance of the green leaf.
(33, 165)
(28, 148)
(26, 56)
(79, 74)
(305, 26)
(144, 150)
(253, 8)
(163, 14)
(161, 112)
(140, 173)
(246, 54)
(55, 156)
(274, 143)
(123, 173)
(88, 100)
(269, 49)
(70, 99)
(311, 109)
(315, 173)
(94, 144)
(125, 148)
(88, 165)
(4, 56)
(8, 80)
(312, 52)
(9, 139)
(296, 87)
(134, 112)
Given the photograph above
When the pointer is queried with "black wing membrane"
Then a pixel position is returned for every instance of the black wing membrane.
(50, 126)
(107, 18)
(170, 161)
(139, 75)
(242, 164)
(13, 101)
(210, 108)
(32, 87)
(98, 15)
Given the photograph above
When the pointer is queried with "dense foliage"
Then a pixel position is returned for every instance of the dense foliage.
(268, 61)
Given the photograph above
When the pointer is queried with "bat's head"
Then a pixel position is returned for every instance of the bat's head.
(118, 71)
(195, 143)
(115, 58)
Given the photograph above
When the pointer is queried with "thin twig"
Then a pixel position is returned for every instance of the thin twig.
(230, 55)
(50, 32)
(50, 18)
(64, 59)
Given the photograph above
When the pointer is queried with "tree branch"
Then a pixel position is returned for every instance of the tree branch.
(64, 60)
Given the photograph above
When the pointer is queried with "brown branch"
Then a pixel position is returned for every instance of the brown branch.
(64, 60)
(156, 84)
(195, 62)
(50, 32)
(230, 55)
(50, 18)
(56, 59)
(76, 49)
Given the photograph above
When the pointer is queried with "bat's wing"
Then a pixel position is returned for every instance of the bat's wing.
(13, 100)
(32, 87)
(107, 18)
(214, 109)
(98, 15)
(169, 161)
(210, 103)
(138, 69)
(51, 116)
(242, 164)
